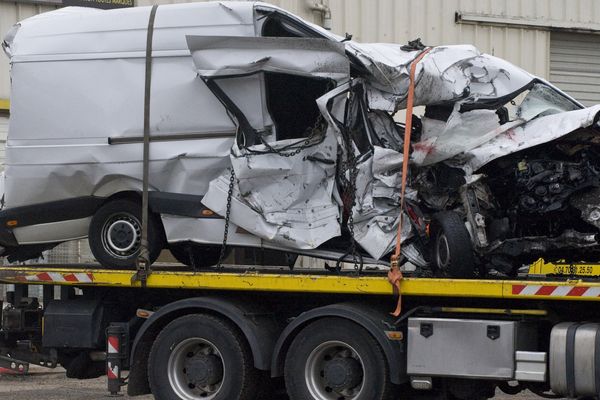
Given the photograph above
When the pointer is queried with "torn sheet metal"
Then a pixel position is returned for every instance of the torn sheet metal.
(220, 56)
(386, 133)
(377, 210)
(463, 131)
(446, 74)
(287, 200)
(538, 131)
(569, 239)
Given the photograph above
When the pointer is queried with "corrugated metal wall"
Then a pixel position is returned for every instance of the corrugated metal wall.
(3, 133)
(575, 65)
(433, 21)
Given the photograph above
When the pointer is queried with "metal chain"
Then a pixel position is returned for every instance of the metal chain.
(312, 131)
(350, 222)
(350, 165)
(227, 217)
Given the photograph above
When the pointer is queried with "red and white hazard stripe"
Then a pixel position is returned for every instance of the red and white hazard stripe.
(113, 344)
(556, 290)
(112, 371)
(79, 277)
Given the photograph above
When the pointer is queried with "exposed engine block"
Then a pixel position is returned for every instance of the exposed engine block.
(545, 185)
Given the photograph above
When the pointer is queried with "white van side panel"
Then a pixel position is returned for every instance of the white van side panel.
(58, 145)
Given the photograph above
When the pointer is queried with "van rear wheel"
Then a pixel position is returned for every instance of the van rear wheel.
(195, 255)
(115, 234)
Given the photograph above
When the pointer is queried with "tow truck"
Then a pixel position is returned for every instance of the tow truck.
(246, 331)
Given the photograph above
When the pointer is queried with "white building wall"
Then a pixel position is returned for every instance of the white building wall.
(434, 22)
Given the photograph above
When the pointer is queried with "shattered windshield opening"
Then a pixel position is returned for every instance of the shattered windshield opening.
(544, 100)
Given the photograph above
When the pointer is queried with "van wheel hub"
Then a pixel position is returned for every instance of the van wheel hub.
(122, 235)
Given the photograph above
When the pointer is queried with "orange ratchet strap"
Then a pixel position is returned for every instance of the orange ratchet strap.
(395, 274)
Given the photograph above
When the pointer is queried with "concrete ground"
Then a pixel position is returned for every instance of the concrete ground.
(49, 384)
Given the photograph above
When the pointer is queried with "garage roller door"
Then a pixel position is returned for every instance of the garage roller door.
(575, 65)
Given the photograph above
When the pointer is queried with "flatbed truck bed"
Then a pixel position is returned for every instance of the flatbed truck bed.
(278, 318)
(275, 279)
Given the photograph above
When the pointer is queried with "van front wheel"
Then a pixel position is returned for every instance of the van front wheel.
(115, 234)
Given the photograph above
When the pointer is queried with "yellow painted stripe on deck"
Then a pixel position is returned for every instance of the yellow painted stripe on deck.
(275, 282)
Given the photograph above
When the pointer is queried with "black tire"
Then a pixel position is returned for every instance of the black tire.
(81, 366)
(195, 255)
(118, 223)
(347, 352)
(469, 389)
(233, 363)
(451, 247)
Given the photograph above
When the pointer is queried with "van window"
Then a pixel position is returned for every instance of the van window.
(291, 101)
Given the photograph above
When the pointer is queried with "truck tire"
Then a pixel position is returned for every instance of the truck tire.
(115, 234)
(201, 357)
(452, 250)
(195, 255)
(334, 358)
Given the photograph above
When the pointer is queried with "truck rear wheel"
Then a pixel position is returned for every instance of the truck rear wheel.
(116, 232)
(334, 359)
(201, 357)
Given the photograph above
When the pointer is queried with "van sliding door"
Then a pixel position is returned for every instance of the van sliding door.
(284, 187)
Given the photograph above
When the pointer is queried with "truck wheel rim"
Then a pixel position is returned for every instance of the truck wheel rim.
(121, 235)
(334, 371)
(196, 369)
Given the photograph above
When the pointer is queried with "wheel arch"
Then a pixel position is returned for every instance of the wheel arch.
(258, 327)
(370, 318)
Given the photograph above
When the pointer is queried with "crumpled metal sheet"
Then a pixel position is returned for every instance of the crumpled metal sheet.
(376, 213)
(463, 131)
(445, 74)
(537, 131)
(219, 56)
(385, 130)
(287, 200)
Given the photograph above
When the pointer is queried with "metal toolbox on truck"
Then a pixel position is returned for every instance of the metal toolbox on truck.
(466, 348)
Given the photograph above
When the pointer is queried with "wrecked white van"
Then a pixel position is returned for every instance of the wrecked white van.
(284, 132)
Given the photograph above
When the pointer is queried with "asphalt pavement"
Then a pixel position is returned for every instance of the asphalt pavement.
(46, 384)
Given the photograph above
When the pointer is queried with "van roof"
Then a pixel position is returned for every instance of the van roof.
(81, 30)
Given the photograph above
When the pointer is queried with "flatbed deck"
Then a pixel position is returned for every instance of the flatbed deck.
(308, 281)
